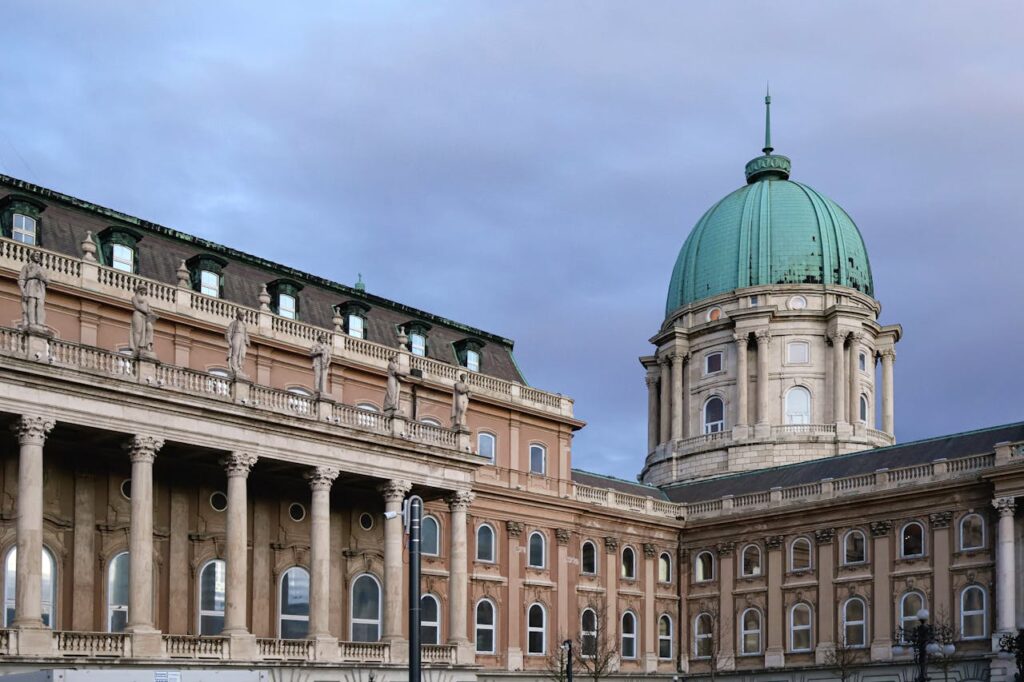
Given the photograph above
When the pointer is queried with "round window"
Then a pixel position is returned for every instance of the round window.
(366, 521)
(219, 501)
(797, 303)
(714, 314)
(126, 488)
(296, 512)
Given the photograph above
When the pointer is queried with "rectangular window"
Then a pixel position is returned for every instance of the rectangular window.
(472, 361)
(712, 363)
(122, 258)
(798, 352)
(24, 229)
(286, 306)
(209, 283)
(356, 328)
(418, 344)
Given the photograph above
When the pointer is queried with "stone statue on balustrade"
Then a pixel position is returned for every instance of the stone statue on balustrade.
(393, 394)
(238, 343)
(143, 318)
(321, 354)
(460, 403)
(32, 281)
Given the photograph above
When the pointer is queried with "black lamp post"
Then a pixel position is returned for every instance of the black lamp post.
(924, 640)
(567, 645)
(1012, 644)
(412, 517)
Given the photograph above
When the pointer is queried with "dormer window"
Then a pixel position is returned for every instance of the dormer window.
(20, 218)
(119, 247)
(468, 352)
(417, 333)
(284, 297)
(353, 315)
(207, 273)
(356, 326)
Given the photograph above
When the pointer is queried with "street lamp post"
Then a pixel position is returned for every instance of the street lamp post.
(1012, 644)
(567, 645)
(412, 516)
(924, 640)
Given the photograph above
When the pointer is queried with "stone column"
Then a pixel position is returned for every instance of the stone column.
(28, 613)
(394, 492)
(881, 602)
(237, 465)
(763, 342)
(142, 450)
(684, 396)
(1005, 570)
(677, 396)
(458, 575)
(823, 538)
(742, 380)
(774, 653)
(888, 420)
(320, 481)
(652, 409)
(853, 380)
(838, 383)
(665, 420)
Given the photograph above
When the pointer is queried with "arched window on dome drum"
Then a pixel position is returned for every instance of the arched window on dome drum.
(863, 414)
(798, 406)
(714, 415)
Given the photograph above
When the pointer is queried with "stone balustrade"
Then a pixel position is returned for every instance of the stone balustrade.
(167, 300)
(190, 647)
(440, 654)
(90, 644)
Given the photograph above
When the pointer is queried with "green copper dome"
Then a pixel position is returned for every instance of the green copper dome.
(773, 231)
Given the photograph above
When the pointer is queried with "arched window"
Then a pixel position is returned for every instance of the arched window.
(664, 568)
(628, 563)
(366, 609)
(588, 560)
(536, 556)
(912, 540)
(750, 563)
(431, 421)
(863, 414)
(117, 593)
(538, 459)
(293, 621)
(703, 635)
(855, 634)
(800, 555)
(972, 532)
(430, 536)
(973, 613)
(800, 628)
(665, 637)
(910, 604)
(798, 405)
(48, 587)
(430, 622)
(854, 548)
(212, 589)
(704, 567)
(714, 415)
(300, 398)
(628, 635)
(750, 632)
(588, 632)
(485, 543)
(486, 445)
(485, 621)
(536, 630)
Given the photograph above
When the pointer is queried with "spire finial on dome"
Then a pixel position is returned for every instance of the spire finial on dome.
(767, 121)
(767, 166)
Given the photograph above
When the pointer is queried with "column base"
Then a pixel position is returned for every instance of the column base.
(146, 643)
(514, 659)
(465, 652)
(399, 650)
(241, 646)
(650, 663)
(774, 658)
(34, 640)
(325, 648)
(762, 430)
(740, 432)
(823, 652)
(881, 649)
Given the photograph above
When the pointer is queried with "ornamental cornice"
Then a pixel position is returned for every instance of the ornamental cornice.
(940, 519)
(143, 448)
(394, 490)
(1006, 506)
(824, 536)
(32, 430)
(321, 478)
(611, 544)
(460, 500)
(880, 528)
(238, 464)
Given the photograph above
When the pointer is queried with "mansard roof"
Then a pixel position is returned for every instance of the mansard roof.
(953, 446)
(618, 484)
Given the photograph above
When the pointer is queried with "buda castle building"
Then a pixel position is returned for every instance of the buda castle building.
(200, 446)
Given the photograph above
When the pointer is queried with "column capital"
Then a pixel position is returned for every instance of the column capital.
(460, 500)
(741, 339)
(650, 550)
(773, 542)
(651, 379)
(824, 536)
(940, 519)
(763, 336)
(837, 336)
(143, 448)
(888, 353)
(238, 464)
(562, 536)
(394, 490)
(514, 528)
(880, 529)
(1006, 506)
(855, 337)
(725, 548)
(321, 478)
(32, 430)
(611, 544)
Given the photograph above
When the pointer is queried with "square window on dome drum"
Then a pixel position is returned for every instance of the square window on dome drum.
(712, 363)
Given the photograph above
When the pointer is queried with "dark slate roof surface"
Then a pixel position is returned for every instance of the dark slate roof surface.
(623, 486)
(907, 454)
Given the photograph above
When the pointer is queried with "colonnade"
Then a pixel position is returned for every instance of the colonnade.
(142, 450)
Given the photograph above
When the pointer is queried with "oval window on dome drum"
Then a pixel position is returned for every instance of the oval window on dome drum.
(797, 303)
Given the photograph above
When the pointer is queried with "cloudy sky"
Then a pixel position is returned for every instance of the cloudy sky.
(532, 168)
